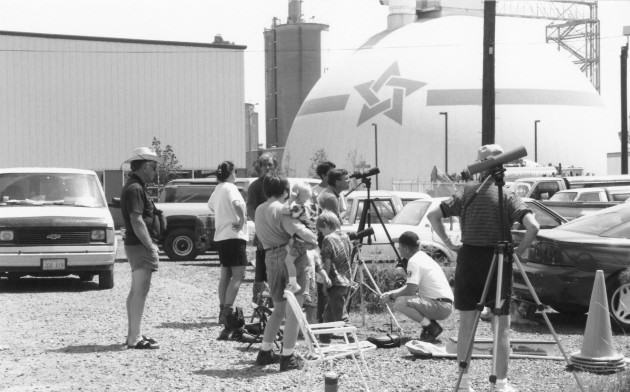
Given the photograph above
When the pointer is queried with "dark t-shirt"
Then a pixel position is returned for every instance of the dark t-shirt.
(255, 197)
(134, 199)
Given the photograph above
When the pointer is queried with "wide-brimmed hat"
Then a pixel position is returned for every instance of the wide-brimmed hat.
(488, 150)
(143, 154)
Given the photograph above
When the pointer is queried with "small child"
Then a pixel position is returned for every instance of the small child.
(336, 255)
(299, 206)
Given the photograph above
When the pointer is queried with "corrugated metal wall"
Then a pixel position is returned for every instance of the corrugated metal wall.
(88, 103)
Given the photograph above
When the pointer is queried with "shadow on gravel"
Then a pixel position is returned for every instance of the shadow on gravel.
(202, 264)
(247, 372)
(90, 348)
(196, 325)
(565, 324)
(44, 285)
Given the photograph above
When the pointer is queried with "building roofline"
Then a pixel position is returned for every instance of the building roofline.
(121, 40)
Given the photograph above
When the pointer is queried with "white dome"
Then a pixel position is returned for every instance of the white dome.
(401, 80)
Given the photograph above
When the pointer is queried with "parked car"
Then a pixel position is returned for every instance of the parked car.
(407, 196)
(561, 263)
(387, 204)
(55, 222)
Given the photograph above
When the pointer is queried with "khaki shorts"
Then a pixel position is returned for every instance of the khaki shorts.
(277, 275)
(141, 257)
(428, 307)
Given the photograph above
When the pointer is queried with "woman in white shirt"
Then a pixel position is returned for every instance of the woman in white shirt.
(230, 237)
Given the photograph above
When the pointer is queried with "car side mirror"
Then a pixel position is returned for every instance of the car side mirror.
(115, 203)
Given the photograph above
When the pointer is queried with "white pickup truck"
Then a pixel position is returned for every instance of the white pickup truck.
(55, 222)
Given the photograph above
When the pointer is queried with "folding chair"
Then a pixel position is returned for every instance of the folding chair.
(328, 352)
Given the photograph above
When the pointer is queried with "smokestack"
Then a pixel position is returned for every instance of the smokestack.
(401, 12)
(295, 12)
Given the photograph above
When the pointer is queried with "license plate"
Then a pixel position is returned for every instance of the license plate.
(53, 264)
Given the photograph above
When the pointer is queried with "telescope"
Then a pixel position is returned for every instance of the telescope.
(364, 174)
(495, 161)
(359, 235)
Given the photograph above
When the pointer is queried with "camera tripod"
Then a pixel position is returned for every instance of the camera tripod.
(502, 262)
(357, 265)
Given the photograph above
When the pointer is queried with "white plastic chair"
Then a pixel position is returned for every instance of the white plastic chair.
(318, 352)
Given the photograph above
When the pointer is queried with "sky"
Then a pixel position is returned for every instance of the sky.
(351, 23)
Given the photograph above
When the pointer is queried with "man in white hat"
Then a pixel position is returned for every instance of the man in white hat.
(142, 231)
(478, 210)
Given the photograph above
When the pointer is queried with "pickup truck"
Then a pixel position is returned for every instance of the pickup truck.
(189, 223)
(543, 188)
(573, 203)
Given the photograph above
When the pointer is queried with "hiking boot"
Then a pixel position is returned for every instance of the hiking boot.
(222, 315)
(291, 362)
(431, 332)
(224, 335)
(266, 357)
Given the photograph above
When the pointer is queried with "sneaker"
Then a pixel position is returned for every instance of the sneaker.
(294, 288)
(507, 387)
(224, 335)
(266, 357)
(431, 332)
(291, 362)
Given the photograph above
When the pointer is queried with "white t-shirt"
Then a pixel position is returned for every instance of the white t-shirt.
(423, 271)
(220, 204)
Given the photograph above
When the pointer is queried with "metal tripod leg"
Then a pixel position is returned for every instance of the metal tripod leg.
(540, 307)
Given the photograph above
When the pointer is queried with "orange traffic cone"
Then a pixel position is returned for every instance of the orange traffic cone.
(598, 354)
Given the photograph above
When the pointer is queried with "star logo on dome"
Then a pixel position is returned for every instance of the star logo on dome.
(392, 106)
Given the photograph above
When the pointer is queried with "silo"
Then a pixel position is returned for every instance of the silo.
(401, 80)
(292, 66)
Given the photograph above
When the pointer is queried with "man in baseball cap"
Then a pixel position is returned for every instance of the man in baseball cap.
(141, 234)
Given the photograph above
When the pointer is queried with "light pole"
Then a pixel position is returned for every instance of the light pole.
(624, 102)
(536, 140)
(376, 149)
(445, 114)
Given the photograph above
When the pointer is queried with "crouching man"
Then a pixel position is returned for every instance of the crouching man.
(427, 296)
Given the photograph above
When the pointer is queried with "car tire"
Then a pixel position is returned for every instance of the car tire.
(179, 245)
(619, 303)
(106, 280)
(86, 277)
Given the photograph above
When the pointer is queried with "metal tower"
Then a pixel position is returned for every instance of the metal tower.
(574, 28)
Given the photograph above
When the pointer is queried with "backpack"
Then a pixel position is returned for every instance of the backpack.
(235, 320)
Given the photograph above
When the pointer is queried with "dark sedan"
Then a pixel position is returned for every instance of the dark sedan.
(561, 263)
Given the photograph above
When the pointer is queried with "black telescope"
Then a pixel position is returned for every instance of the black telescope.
(361, 234)
(496, 160)
(364, 174)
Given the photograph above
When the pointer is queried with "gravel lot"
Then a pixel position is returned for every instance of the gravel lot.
(66, 335)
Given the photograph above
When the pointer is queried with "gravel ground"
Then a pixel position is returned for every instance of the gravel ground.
(66, 335)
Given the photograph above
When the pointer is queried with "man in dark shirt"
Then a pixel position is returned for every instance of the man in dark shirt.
(256, 196)
(478, 209)
(141, 232)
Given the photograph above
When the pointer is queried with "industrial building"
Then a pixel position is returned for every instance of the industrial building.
(86, 102)
(410, 99)
(292, 66)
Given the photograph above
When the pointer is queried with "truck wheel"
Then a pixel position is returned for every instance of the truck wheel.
(106, 279)
(180, 245)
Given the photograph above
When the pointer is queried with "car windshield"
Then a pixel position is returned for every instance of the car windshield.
(187, 194)
(521, 188)
(385, 210)
(412, 213)
(563, 196)
(613, 222)
(75, 189)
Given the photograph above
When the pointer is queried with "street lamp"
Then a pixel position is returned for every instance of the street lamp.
(536, 140)
(624, 102)
(376, 149)
(445, 114)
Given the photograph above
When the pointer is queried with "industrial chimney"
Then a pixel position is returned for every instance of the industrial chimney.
(295, 11)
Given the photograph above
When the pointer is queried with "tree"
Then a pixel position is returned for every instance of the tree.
(168, 166)
(318, 157)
